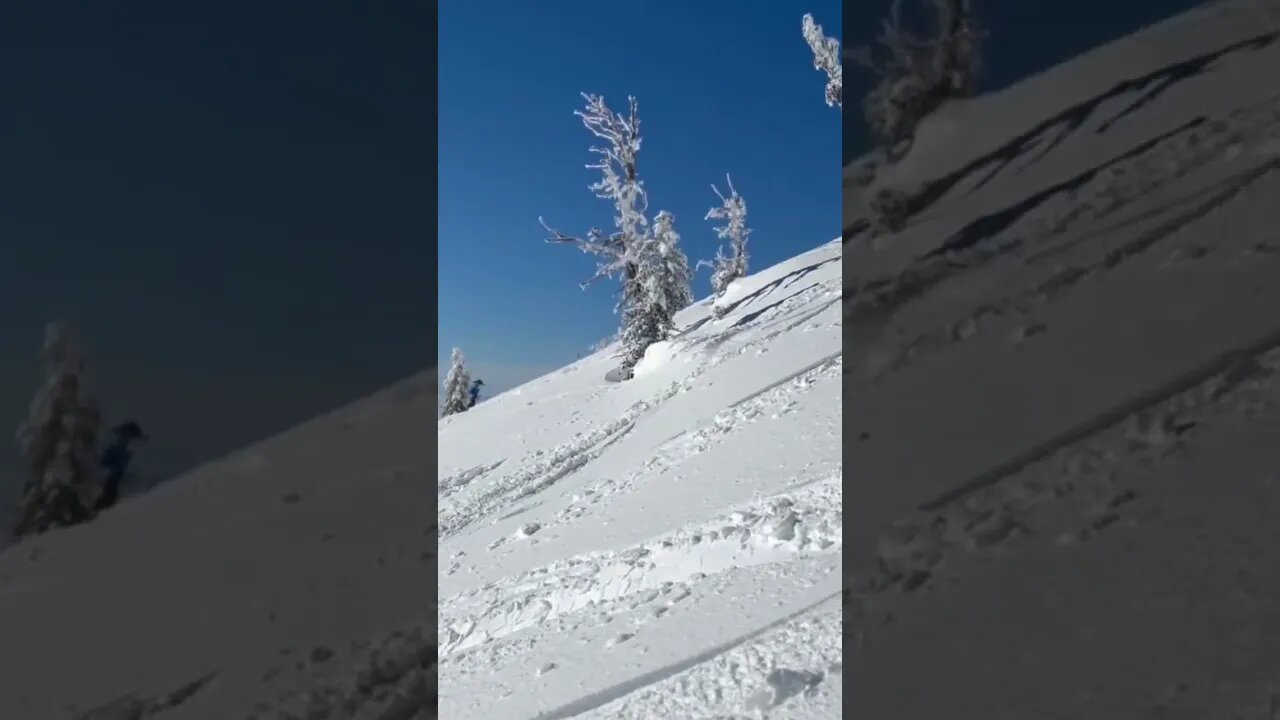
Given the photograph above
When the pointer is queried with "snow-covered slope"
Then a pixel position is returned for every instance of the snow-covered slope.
(667, 547)
(1061, 393)
(663, 547)
(295, 576)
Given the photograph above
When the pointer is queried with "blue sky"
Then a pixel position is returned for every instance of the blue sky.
(723, 86)
(230, 199)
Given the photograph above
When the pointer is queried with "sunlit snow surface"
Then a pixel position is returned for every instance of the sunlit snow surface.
(664, 547)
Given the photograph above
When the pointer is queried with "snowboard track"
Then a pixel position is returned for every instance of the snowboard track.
(1222, 363)
(1102, 190)
(1065, 279)
(993, 510)
(603, 697)
(802, 519)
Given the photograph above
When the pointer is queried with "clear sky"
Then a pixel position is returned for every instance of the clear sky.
(723, 86)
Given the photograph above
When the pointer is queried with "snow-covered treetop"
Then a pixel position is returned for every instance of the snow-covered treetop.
(826, 57)
(457, 385)
(457, 368)
(673, 275)
(733, 210)
(951, 54)
(619, 182)
(62, 351)
(65, 386)
(664, 227)
(917, 74)
(63, 416)
(617, 161)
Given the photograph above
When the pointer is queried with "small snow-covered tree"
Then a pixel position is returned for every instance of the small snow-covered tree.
(457, 386)
(733, 210)
(59, 439)
(620, 252)
(666, 273)
(826, 57)
(917, 75)
(604, 342)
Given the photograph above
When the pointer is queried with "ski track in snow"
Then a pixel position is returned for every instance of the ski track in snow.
(771, 405)
(1235, 145)
(543, 472)
(614, 596)
(808, 519)
(685, 634)
(1075, 492)
(391, 678)
(799, 660)
(1106, 486)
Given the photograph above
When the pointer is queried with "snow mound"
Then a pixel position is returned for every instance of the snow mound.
(656, 356)
(732, 292)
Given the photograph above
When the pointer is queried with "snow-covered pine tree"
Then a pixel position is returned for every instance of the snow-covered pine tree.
(669, 287)
(619, 252)
(826, 57)
(457, 386)
(727, 268)
(917, 75)
(59, 439)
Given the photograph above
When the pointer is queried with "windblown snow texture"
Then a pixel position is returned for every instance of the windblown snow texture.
(1061, 392)
(656, 548)
(295, 578)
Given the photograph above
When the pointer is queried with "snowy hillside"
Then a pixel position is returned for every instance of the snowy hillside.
(291, 579)
(1061, 393)
(654, 548)
(667, 547)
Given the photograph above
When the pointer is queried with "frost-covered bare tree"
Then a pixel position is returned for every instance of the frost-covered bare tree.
(733, 211)
(667, 268)
(917, 74)
(826, 57)
(619, 183)
(457, 385)
(621, 252)
(59, 439)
